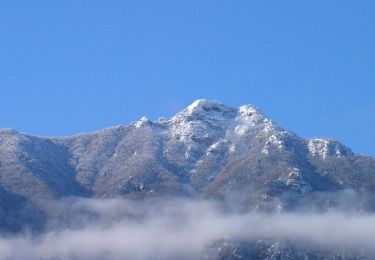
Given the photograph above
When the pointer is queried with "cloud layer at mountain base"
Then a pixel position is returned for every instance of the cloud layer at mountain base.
(118, 228)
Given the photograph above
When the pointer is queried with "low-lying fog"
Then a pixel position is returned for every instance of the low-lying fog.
(176, 228)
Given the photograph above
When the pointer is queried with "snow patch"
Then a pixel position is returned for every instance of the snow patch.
(326, 147)
(294, 180)
(274, 140)
(250, 117)
(142, 122)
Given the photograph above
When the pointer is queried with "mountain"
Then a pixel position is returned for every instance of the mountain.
(208, 150)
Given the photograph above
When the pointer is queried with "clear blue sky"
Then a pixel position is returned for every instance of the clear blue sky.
(75, 66)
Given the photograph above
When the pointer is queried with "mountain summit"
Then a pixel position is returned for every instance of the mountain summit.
(207, 150)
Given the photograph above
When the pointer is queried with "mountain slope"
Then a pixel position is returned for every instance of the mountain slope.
(207, 150)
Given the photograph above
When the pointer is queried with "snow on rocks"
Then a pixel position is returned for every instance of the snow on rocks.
(294, 180)
(141, 122)
(326, 147)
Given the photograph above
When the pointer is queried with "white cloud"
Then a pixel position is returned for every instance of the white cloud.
(117, 229)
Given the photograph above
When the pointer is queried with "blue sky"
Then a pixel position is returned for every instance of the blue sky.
(76, 66)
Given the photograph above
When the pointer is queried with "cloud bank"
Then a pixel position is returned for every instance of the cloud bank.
(160, 229)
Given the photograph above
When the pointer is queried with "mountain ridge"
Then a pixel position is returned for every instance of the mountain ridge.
(207, 150)
(196, 105)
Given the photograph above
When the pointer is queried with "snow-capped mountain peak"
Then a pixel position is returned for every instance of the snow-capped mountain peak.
(208, 150)
(142, 122)
(203, 109)
(201, 105)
